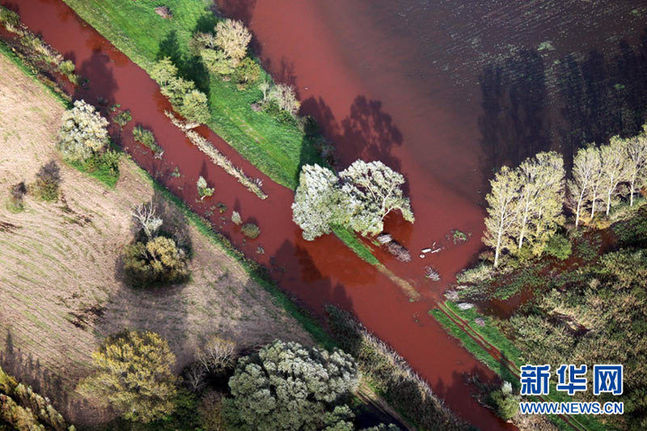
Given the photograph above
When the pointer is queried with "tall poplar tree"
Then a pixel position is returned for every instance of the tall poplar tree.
(613, 169)
(503, 209)
(586, 168)
(635, 150)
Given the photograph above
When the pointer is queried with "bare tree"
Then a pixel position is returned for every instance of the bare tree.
(613, 168)
(502, 210)
(147, 217)
(216, 354)
(194, 376)
(636, 162)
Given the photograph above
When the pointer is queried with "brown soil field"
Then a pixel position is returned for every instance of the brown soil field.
(60, 287)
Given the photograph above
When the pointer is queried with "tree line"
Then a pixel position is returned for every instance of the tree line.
(526, 205)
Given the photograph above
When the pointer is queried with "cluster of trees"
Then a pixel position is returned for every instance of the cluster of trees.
(23, 409)
(526, 204)
(153, 259)
(283, 386)
(288, 386)
(224, 53)
(358, 198)
(185, 98)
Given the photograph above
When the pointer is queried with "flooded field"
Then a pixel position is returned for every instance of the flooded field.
(441, 92)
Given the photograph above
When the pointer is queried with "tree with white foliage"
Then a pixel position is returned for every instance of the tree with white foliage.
(374, 191)
(613, 168)
(232, 37)
(83, 133)
(635, 150)
(316, 202)
(586, 173)
(503, 210)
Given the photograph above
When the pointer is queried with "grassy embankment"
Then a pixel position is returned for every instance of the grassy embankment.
(276, 148)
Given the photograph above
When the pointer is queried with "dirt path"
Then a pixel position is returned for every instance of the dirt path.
(60, 293)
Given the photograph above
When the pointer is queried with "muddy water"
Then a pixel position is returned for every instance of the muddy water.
(374, 109)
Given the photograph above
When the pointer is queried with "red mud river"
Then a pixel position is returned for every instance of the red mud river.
(374, 77)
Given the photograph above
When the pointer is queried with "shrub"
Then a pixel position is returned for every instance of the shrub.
(505, 402)
(123, 118)
(284, 97)
(16, 197)
(203, 189)
(482, 272)
(236, 218)
(83, 133)
(158, 261)
(250, 230)
(9, 19)
(217, 62)
(289, 386)
(48, 179)
(216, 354)
(146, 138)
(133, 373)
(558, 246)
(66, 67)
(247, 72)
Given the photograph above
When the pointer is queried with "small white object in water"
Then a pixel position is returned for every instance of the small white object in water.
(425, 250)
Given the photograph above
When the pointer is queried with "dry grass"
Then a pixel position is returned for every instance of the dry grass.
(60, 291)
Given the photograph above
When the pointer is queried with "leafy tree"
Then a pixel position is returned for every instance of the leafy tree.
(182, 94)
(541, 194)
(505, 402)
(17, 193)
(232, 37)
(586, 176)
(613, 168)
(194, 107)
(250, 230)
(502, 211)
(286, 386)
(248, 71)
(157, 261)
(374, 191)
(133, 373)
(636, 162)
(83, 133)
(317, 201)
(216, 61)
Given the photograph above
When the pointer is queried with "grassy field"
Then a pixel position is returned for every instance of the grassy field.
(60, 284)
(275, 148)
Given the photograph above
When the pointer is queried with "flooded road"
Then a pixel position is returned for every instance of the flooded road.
(362, 83)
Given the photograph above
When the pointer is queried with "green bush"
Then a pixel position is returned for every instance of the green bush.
(505, 403)
(146, 138)
(247, 72)
(156, 262)
(83, 132)
(558, 246)
(123, 118)
(250, 230)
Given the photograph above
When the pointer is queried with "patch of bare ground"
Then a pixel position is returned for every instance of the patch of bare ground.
(60, 289)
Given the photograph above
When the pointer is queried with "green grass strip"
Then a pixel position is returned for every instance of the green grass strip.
(350, 239)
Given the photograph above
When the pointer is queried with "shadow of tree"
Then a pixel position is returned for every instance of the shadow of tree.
(99, 85)
(189, 66)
